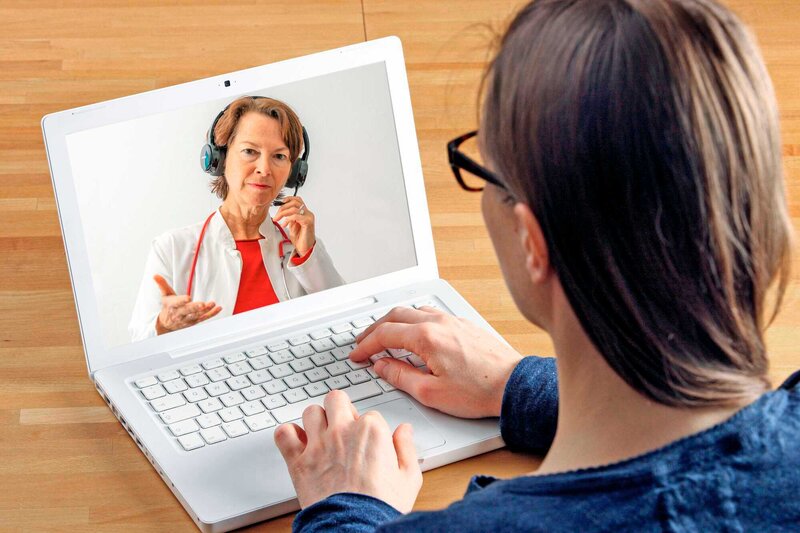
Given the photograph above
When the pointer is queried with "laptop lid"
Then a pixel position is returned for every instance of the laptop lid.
(127, 171)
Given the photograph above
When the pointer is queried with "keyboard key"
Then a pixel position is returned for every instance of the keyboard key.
(240, 368)
(191, 441)
(153, 392)
(210, 405)
(197, 380)
(252, 408)
(214, 363)
(358, 331)
(255, 352)
(416, 360)
(238, 383)
(175, 386)
(195, 395)
(385, 385)
(182, 428)
(168, 376)
(274, 347)
(217, 389)
(341, 328)
(343, 339)
(323, 345)
(380, 314)
(259, 376)
(231, 399)
(295, 395)
(398, 352)
(342, 353)
(143, 383)
(317, 374)
(167, 402)
(379, 355)
(274, 387)
(322, 359)
(316, 389)
(235, 429)
(295, 380)
(259, 422)
(282, 356)
(179, 413)
(303, 350)
(357, 376)
(253, 393)
(356, 366)
(321, 334)
(372, 373)
(218, 374)
(430, 302)
(213, 435)
(337, 369)
(337, 382)
(209, 420)
(301, 365)
(259, 363)
(190, 370)
(363, 322)
(295, 410)
(273, 402)
(230, 414)
(234, 358)
(280, 371)
(300, 339)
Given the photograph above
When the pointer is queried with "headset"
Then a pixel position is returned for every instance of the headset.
(212, 157)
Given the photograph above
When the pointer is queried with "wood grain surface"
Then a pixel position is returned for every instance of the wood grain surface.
(65, 462)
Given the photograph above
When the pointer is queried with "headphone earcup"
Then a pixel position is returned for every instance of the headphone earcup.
(212, 160)
(297, 177)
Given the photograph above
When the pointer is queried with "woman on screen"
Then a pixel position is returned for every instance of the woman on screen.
(239, 258)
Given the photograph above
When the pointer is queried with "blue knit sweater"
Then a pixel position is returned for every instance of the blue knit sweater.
(740, 475)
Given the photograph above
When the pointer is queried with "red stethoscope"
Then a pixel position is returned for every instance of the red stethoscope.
(281, 254)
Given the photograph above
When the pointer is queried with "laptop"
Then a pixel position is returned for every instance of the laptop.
(202, 402)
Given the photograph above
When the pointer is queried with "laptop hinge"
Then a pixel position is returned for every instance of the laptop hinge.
(242, 336)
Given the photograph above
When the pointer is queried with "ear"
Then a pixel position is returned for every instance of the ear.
(537, 259)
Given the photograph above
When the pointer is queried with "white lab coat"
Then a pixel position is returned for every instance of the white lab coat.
(219, 269)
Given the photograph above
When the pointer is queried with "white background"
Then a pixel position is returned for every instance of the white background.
(138, 179)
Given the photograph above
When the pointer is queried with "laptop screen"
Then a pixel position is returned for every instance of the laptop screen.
(143, 200)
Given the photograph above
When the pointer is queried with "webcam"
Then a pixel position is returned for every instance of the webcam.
(227, 83)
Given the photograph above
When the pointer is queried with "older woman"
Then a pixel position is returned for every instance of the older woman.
(239, 258)
(636, 203)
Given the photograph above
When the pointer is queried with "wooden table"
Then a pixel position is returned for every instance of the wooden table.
(65, 462)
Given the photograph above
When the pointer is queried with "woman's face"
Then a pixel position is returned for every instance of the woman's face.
(257, 164)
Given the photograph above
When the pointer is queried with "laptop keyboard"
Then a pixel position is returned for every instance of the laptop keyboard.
(229, 396)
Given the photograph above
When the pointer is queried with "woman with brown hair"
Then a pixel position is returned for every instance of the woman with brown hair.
(636, 203)
(240, 258)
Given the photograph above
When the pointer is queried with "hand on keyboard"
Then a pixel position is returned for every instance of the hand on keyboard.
(469, 367)
(340, 451)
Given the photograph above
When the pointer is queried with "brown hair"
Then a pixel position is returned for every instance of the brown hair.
(226, 127)
(644, 135)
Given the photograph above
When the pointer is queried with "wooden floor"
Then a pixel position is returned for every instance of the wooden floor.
(65, 463)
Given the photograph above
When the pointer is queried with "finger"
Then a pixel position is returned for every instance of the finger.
(195, 309)
(165, 288)
(214, 312)
(291, 441)
(174, 302)
(386, 335)
(403, 438)
(407, 315)
(339, 409)
(315, 421)
(405, 377)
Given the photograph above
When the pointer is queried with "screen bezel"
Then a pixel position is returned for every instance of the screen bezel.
(58, 125)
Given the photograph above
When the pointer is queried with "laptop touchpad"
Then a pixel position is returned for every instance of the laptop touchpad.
(397, 412)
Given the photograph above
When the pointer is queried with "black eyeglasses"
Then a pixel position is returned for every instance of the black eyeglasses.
(460, 161)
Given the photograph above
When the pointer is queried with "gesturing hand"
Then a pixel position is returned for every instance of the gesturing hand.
(469, 367)
(300, 223)
(340, 451)
(178, 312)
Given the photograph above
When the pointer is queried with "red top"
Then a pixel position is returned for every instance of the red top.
(255, 289)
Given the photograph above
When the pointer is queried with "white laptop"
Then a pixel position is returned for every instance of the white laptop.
(203, 402)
